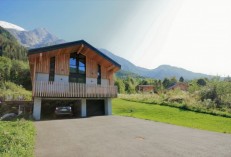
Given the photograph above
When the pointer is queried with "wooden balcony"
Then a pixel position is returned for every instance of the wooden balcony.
(72, 90)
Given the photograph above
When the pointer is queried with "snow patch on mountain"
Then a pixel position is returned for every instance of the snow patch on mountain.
(8, 25)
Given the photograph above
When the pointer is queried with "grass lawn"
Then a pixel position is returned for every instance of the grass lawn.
(17, 138)
(171, 115)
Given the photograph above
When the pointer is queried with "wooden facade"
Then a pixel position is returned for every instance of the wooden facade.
(39, 60)
(146, 88)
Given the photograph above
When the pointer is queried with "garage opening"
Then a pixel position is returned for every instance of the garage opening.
(49, 106)
(95, 108)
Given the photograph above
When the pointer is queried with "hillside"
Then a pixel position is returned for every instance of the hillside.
(9, 46)
(14, 68)
(124, 74)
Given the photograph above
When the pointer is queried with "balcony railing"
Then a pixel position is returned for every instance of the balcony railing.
(75, 90)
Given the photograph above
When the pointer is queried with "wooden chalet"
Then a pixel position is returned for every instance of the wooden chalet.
(146, 88)
(72, 71)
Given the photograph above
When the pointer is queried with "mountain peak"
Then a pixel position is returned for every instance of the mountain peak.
(164, 66)
(8, 25)
(38, 37)
(41, 29)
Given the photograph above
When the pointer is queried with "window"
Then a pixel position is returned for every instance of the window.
(52, 69)
(99, 75)
(77, 68)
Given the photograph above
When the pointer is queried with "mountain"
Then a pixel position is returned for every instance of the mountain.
(41, 37)
(125, 64)
(160, 72)
(34, 38)
(171, 71)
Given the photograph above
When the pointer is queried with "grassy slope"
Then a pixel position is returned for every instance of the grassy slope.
(17, 138)
(171, 115)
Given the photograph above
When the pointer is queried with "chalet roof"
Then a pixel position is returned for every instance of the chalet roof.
(177, 84)
(68, 44)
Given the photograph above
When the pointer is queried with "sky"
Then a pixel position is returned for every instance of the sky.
(192, 34)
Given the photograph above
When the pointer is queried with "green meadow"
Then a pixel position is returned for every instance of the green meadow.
(171, 115)
(17, 138)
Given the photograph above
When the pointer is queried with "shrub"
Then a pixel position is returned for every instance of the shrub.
(201, 82)
(12, 91)
(209, 93)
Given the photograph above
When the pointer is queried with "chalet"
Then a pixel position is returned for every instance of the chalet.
(180, 85)
(72, 71)
(145, 88)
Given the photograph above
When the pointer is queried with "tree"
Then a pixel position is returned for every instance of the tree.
(5, 66)
(130, 85)
(10, 47)
(120, 84)
(157, 85)
(131, 88)
(201, 82)
(166, 83)
(173, 81)
(144, 82)
(1, 51)
(181, 79)
(227, 79)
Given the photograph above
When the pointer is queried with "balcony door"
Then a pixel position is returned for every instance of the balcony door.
(77, 68)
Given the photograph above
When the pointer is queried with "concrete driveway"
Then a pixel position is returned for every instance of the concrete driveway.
(115, 136)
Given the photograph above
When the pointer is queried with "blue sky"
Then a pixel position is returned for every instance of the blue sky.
(191, 34)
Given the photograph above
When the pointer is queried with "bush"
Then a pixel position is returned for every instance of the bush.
(209, 93)
(201, 82)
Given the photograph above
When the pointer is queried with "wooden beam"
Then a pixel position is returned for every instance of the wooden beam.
(110, 68)
(115, 69)
(80, 49)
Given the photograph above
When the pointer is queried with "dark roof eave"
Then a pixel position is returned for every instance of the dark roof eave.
(64, 45)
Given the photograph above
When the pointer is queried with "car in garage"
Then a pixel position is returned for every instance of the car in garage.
(63, 110)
